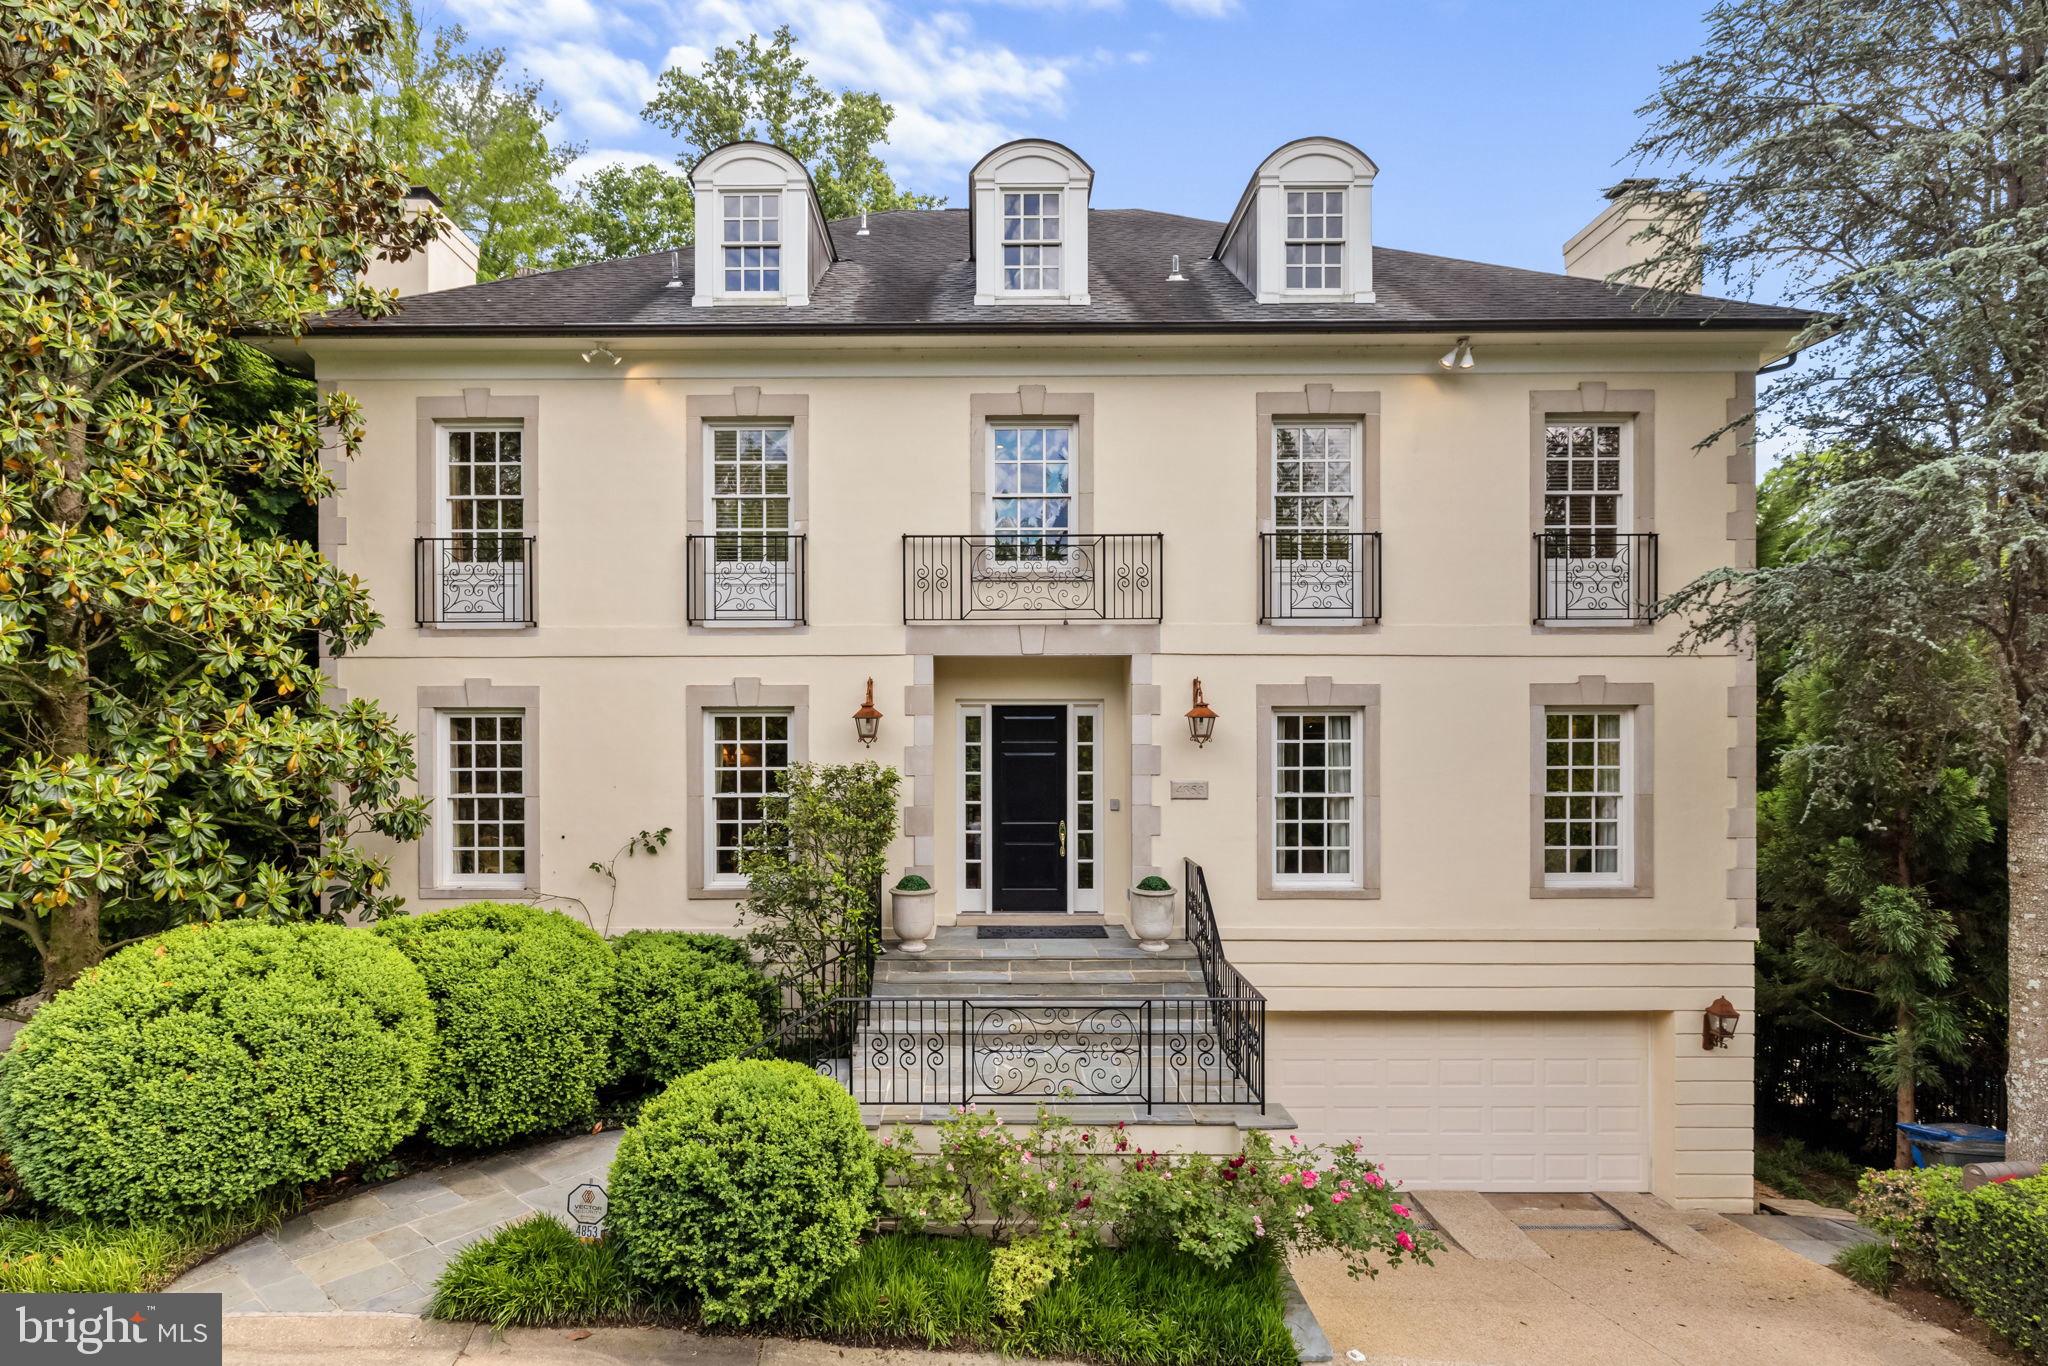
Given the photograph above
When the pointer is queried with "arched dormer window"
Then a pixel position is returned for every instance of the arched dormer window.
(760, 236)
(1029, 203)
(1302, 230)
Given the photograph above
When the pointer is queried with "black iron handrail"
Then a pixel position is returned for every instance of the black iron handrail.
(479, 578)
(1592, 576)
(1331, 576)
(1245, 1037)
(761, 577)
(1034, 576)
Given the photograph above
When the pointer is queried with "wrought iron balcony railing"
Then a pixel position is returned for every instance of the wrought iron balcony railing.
(1588, 577)
(1033, 576)
(478, 579)
(1319, 576)
(748, 577)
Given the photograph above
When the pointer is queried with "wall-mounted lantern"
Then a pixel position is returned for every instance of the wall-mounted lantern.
(1717, 1026)
(867, 722)
(1201, 719)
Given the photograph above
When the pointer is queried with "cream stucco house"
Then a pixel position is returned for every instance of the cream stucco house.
(1480, 845)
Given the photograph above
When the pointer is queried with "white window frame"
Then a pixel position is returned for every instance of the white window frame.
(1041, 243)
(1355, 821)
(444, 821)
(1624, 515)
(518, 576)
(714, 879)
(1350, 566)
(1318, 242)
(990, 526)
(782, 585)
(1624, 874)
(734, 217)
(1080, 900)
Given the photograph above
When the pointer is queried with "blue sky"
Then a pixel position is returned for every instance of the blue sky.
(1494, 124)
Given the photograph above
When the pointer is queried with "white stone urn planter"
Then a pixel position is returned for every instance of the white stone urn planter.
(1152, 918)
(914, 912)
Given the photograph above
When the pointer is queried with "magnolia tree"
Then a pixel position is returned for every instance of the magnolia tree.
(1888, 164)
(174, 175)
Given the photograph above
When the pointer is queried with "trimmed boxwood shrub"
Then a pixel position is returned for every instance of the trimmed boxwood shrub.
(680, 1004)
(1992, 1244)
(196, 1070)
(523, 999)
(747, 1184)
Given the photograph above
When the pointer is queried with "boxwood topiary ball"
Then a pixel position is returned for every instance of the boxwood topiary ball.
(198, 1069)
(747, 1184)
(522, 998)
(678, 1006)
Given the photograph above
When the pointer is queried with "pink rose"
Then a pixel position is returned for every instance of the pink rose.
(1374, 1180)
(1309, 1179)
(1258, 1226)
(1026, 1153)
(1401, 1212)
(1406, 1240)
(1287, 1178)
(1295, 1139)
(1337, 1198)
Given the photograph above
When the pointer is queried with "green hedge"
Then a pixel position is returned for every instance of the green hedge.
(682, 1003)
(1992, 1245)
(747, 1184)
(523, 998)
(196, 1070)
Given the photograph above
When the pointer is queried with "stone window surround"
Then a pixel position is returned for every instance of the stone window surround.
(1308, 404)
(1031, 401)
(477, 405)
(742, 694)
(1321, 692)
(1594, 401)
(1594, 691)
(473, 694)
(746, 403)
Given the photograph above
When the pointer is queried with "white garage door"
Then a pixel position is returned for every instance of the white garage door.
(1482, 1102)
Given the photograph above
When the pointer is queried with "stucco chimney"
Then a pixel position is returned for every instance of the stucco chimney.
(447, 262)
(1608, 243)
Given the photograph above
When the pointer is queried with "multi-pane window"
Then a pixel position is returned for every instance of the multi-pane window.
(1314, 491)
(1084, 800)
(1583, 797)
(1315, 772)
(1584, 486)
(973, 758)
(485, 775)
(749, 751)
(1031, 240)
(1031, 491)
(486, 491)
(750, 492)
(1315, 239)
(753, 243)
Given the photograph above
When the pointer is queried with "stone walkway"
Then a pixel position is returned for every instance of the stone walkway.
(382, 1250)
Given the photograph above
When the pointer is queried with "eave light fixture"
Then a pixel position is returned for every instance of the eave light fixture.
(1201, 718)
(1459, 357)
(867, 722)
(602, 349)
(1717, 1024)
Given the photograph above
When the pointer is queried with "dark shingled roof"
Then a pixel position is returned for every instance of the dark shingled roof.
(911, 274)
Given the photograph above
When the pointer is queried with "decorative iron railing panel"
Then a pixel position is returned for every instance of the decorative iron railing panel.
(1595, 576)
(1027, 576)
(1326, 576)
(922, 1050)
(478, 579)
(748, 577)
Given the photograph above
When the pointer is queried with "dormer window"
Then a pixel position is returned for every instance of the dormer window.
(1031, 241)
(753, 243)
(1315, 239)
(1302, 229)
(761, 239)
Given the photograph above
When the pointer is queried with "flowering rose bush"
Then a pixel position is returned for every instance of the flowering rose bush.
(1052, 1192)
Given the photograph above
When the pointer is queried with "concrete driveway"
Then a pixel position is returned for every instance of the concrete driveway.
(1618, 1299)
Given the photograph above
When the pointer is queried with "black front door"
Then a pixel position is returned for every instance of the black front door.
(1029, 785)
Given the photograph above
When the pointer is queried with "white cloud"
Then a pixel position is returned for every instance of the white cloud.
(1203, 9)
(538, 20)
(600, 92)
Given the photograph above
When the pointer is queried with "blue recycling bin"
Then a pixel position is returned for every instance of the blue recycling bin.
(1953, 1145)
